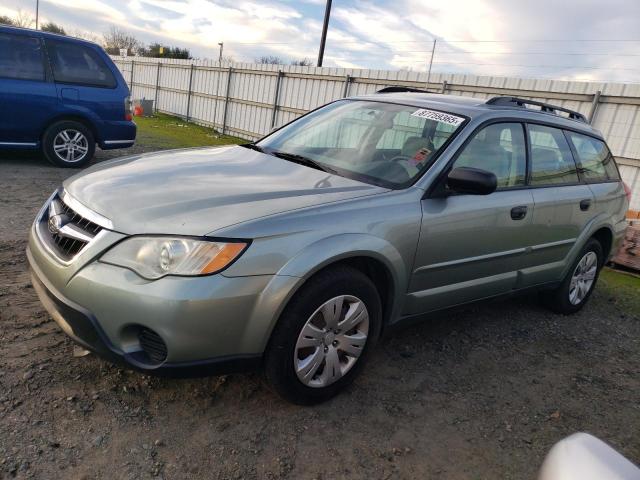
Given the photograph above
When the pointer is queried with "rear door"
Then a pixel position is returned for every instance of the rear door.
(27, 96)
(564, 204)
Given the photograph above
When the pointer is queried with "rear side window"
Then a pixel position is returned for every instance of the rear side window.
(78, 64)
(551, 158)
(21, 57)
(594, 158)
(499, 149)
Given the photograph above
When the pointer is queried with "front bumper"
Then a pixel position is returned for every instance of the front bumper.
(211, 324)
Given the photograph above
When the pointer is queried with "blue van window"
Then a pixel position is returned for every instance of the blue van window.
(20, 57)
(79, 64)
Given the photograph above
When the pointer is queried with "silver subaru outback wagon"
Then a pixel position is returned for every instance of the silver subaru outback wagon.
(293, 254)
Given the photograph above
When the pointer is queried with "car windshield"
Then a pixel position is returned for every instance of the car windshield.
(380, 143)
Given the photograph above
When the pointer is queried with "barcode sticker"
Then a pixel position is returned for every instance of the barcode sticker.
(438, 116)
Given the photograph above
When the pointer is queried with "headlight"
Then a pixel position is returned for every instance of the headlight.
(155, 257)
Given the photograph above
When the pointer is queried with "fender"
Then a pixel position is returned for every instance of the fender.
(311, 259)
(602, 220)
(92, 120)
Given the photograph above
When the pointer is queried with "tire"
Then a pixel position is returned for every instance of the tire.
(564, 299)
(78, 139)
(343, 287)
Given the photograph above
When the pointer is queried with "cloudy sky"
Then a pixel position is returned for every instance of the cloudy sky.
(563, 39)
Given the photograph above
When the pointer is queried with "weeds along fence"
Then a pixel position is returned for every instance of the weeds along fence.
(249, 100)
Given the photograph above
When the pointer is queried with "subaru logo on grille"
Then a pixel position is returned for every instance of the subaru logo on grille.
(56, 222)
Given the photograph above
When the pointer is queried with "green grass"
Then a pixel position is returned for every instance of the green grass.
(165, 131)
(623, 288)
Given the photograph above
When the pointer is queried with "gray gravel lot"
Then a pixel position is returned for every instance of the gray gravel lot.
(479, 393)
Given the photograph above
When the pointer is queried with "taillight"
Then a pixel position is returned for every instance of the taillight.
(128, 114)
(627, 190)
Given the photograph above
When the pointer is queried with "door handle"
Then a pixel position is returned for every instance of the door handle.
(518, 213)
(585, 204)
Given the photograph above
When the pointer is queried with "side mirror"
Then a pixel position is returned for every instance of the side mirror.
(472, 181)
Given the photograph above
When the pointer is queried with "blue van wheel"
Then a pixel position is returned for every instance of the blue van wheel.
(68, 144)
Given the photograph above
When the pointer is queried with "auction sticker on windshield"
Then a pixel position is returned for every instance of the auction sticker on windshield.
(438, 116)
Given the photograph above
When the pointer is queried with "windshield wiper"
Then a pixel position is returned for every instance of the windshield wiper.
(253, 146)
(294, 157)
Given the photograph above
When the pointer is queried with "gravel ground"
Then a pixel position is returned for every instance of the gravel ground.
(483, 392)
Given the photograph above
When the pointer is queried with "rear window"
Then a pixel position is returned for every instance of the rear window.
(20, 57)
(594, 158)
(78, 64)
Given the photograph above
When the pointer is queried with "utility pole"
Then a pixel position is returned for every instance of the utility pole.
(215, 105)
(37, 11)
(323, 39)
(433, 52)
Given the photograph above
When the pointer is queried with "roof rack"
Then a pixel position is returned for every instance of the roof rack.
(544, 107)
(399, 89)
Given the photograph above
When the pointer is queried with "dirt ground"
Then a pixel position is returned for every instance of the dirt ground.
(480, 393)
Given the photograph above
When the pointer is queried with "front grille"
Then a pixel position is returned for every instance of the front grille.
(153, 345)
(64, 230)
(70, 247)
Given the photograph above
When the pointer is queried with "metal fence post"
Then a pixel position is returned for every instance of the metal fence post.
(276, 97)
(445, 85)
(131, 79)
(347, 81)
(594, 106)
(189, 92)
(155, 97)
(226, 101)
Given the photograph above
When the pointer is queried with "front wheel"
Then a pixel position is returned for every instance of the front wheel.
(324, 336)
(68, 144)
(578, 285)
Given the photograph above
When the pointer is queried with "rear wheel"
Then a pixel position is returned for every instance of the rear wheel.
(68, 144)
(324, 336)
(577, 287)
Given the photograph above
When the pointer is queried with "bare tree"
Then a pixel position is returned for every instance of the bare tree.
(53, 28)
(23, 20)
(90, 36)
(270, 60)
(117, 39)
(4, 20)
(305, 62)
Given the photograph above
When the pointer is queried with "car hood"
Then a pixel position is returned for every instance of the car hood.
(198, 191)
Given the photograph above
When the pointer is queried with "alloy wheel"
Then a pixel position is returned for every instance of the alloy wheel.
(70, 146)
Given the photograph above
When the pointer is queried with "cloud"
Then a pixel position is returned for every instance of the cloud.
(545, 38)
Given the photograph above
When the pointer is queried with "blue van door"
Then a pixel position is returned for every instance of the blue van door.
(85, 83)
(28, 96)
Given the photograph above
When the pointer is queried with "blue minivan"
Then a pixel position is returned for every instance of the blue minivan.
(61, 95)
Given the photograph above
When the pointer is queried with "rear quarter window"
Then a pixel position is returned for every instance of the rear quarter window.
(594, 158)
(21, 57)
(78, 64)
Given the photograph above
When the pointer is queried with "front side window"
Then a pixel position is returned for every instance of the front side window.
(499, 149)
(21, 57)
(594, 158)
(78, 64)
(551, 158)
(375, 142)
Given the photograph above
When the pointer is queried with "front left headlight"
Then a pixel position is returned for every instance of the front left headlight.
(155, 257)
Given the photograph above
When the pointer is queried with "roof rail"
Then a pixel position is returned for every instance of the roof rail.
(399, 89)
(544, 107)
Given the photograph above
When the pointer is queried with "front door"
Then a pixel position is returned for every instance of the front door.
(473, 246)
